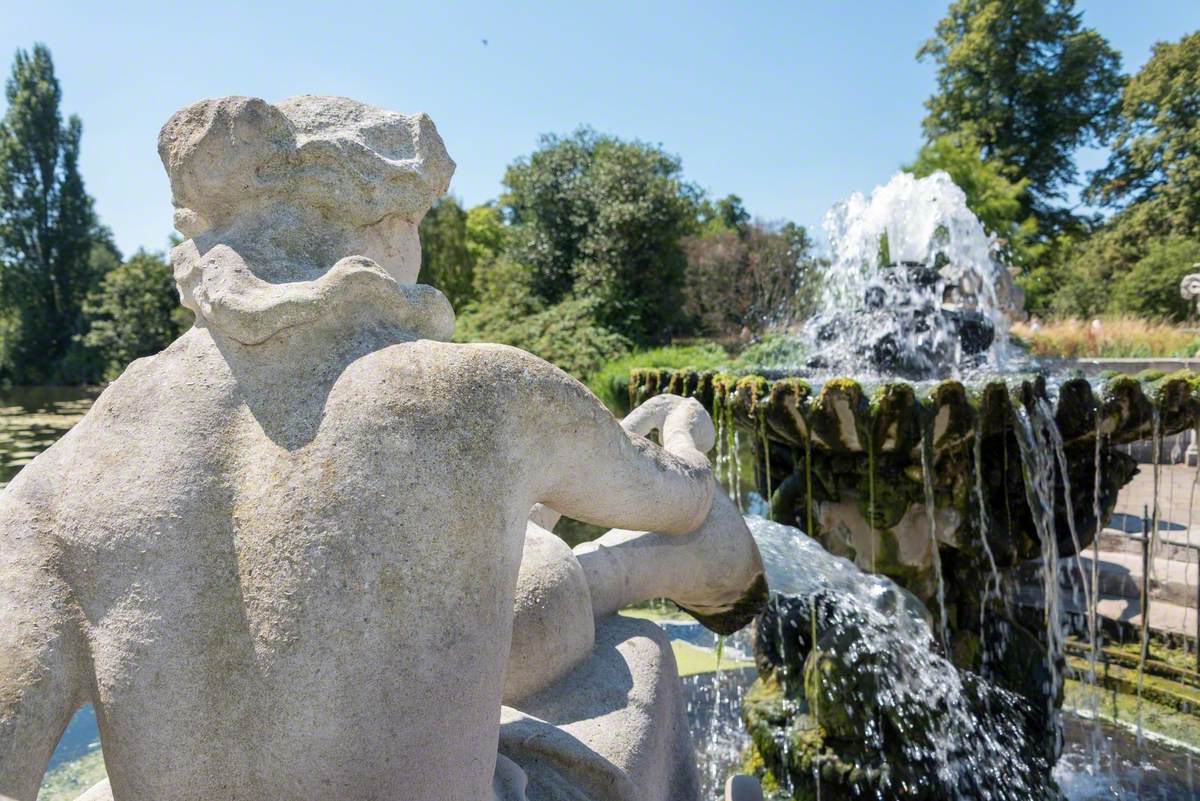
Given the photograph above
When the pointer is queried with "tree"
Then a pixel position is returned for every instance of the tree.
(727, 214)
(51, 246)
(1029, 84)
(487, 235)
(743, 280)
(446, 263)
(134, 312)
(992, 196)
(1156, 150)
(597, 218)
(1153, 181)
(1151, 288)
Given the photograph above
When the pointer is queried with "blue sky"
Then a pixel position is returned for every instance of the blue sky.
(790, 105)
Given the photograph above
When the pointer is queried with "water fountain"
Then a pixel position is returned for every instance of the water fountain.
(942, 472)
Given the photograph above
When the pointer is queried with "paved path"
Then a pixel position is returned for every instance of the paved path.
(1174, 572)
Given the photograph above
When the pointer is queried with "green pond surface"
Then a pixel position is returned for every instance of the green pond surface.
(33, 418)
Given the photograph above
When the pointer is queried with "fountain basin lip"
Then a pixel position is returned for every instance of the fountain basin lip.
(788, 408)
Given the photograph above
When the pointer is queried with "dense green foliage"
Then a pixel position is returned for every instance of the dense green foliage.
(446, 262)
(134, 313)
(52, 249)
(597, 218)
(1156, 150)
(508, 311)
(745, 276)
(1029, 84)
(599, 246)
(611, 384)
(1126, 265)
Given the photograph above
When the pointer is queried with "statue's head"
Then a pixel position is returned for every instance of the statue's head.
(289, 206)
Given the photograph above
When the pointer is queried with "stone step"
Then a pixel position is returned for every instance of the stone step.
(1123, 532)
(1165, 618)
(1120, 575)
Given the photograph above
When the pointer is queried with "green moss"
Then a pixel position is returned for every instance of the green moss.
(827, 423)
(1126, 681)
(1124, 709)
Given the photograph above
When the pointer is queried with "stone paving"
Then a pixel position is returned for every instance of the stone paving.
(1174, 571)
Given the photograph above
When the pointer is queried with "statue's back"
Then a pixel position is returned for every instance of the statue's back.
(333, 594)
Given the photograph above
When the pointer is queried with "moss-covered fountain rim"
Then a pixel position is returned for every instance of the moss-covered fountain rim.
(846, 413)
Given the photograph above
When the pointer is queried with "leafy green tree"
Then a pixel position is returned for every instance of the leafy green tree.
(1151, 288)
(1156, 150)
(446, 263)
(134, 312)
(487, 235)
(727, 214)
(992, 196)
(1153, 181)
(743, 279)
(52, 250)
(599, 219)
(1029, 84)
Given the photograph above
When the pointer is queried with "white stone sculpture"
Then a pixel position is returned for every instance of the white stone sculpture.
(1189, 287)
(286, 558)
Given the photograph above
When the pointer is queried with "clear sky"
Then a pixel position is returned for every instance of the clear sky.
(790, 105)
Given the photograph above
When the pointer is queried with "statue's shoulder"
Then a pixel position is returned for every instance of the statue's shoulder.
(187, 366)
(458, 359)
(474, 371)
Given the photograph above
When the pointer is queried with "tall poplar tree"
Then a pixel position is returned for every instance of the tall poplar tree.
(48, 228)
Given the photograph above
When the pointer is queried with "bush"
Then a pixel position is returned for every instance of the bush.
(565, 334)
(134, 313)
(611, 383)
(774, 351)
(1151, 288)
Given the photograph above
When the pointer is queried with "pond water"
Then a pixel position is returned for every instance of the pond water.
(33, 418)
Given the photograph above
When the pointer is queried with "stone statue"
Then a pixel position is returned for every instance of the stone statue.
(1189, 287)
(288, 557)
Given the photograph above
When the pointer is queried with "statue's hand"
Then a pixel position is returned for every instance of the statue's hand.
(683, 423)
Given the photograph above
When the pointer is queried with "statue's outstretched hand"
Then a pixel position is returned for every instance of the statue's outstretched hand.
(683, 423)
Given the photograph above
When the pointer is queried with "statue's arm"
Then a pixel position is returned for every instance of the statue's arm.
(592, 469)
(41, 654)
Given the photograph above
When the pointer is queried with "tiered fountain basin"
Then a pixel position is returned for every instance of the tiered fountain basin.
(848, 456)
(999, 473)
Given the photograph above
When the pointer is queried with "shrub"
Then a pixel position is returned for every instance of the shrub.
(134, 313)
(611, 383)
(1151, 288)
(774, 351)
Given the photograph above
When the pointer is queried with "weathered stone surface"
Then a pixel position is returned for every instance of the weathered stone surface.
(281, 557)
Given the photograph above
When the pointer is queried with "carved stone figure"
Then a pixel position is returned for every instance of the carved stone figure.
(1189, 287)
(286, 558)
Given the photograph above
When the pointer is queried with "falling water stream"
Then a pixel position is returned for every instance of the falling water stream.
(934, 552)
